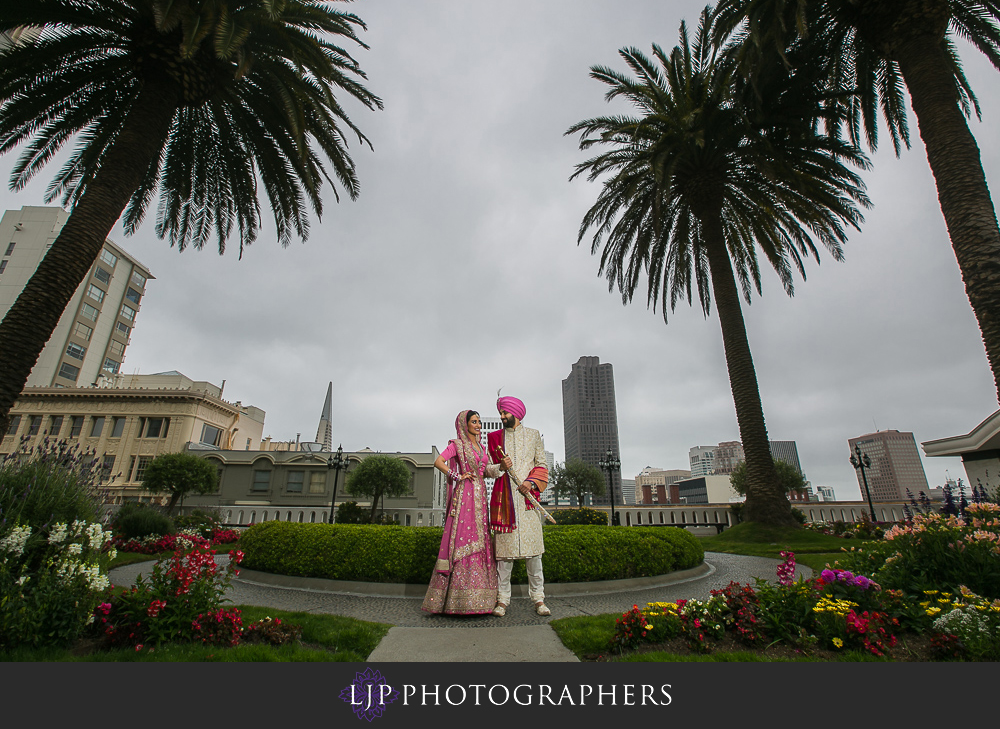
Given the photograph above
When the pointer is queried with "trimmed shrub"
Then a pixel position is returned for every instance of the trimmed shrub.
(370, 553)
(135, 521)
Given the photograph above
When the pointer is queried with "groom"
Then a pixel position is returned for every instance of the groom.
(513, 518)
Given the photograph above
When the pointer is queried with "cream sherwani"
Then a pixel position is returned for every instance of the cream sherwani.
(525, 448)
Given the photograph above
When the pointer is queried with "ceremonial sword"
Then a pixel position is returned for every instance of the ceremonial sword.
(529, 496)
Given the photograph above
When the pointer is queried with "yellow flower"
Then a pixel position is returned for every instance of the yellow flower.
(838, 642)
(647, 627)
(933, 610)
(930, 592)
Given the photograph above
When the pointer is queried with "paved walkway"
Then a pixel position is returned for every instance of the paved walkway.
(417, 636)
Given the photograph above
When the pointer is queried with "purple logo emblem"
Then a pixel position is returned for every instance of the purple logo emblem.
(369, 694)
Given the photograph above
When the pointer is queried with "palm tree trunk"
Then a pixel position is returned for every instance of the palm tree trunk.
(954, 159)
(31, 320)
(766, 502)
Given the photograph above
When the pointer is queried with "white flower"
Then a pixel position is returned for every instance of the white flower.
(113, 553)
(23, 579)
(74, 548)
(58, 533)
(15, 541)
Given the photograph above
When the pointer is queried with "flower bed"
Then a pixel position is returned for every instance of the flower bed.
(838, 611)
(184, 540)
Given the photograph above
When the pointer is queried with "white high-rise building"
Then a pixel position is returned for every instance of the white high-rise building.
(702, 459)
(96, 326)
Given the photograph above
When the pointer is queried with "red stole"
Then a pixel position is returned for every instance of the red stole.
(503, 517)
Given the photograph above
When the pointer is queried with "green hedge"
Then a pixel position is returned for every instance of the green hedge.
(371, 553)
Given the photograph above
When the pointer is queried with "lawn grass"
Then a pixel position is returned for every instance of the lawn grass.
(326, 638)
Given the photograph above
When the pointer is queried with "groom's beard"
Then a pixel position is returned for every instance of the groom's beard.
(507, 422)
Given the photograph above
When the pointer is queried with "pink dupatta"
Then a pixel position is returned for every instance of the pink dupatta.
(464, 499)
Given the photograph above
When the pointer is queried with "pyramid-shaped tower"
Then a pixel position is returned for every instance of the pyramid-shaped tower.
(324, 433)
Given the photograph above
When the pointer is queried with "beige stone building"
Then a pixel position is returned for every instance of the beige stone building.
(298, 486)
(96, 327)
(129, 420)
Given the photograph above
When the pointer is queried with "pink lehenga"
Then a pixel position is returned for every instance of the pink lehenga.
(464, 581)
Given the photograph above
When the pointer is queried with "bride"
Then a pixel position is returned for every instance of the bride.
(465, 574)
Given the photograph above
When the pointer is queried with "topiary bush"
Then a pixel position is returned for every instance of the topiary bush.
(369, 553)
(135, 521)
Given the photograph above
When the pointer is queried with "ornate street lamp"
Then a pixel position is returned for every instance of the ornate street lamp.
(609, 464)
(861, 461)
(337, 462)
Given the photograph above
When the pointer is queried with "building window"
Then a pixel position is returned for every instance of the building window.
(69, 371)
(317, 482)
(76, 351)
(97, 427)
(109, 258)
(3, 265)
(101, 275)
(153, 427)
(117, 427)
(117, 348)
(138, 279)
(55, 425)
(95, 293)
(82, 330)
(128, 312)
(261, 481)
(10, 248)
(141, 462)
(111, 366)
(133, 295)
(210, 435)
(122, 328)
(34, 424)
(295, 480)
(15, 423)
(109, 464)
(89, 312)
(75, 426)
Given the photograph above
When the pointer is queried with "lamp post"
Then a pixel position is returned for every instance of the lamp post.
(609, 464)
(861, 461)
(336, 462)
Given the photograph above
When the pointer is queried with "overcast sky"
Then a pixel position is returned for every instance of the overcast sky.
(457, 272)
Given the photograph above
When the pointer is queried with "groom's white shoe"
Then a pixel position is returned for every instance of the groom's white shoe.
(500, 610)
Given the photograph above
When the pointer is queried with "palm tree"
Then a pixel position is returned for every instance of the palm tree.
(873, 50)
(196, 101)
(695, 184)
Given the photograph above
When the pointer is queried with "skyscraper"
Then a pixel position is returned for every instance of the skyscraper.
(590, 417)
(95, 328)
(896, 465)
(324, 432)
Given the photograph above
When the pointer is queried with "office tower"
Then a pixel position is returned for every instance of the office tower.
(728, 455)
(590, 418)
(896, 465)
(91, 337)
(826, 493)
(628, 491)
(787, 451)
(324, 433)
(702, 460)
